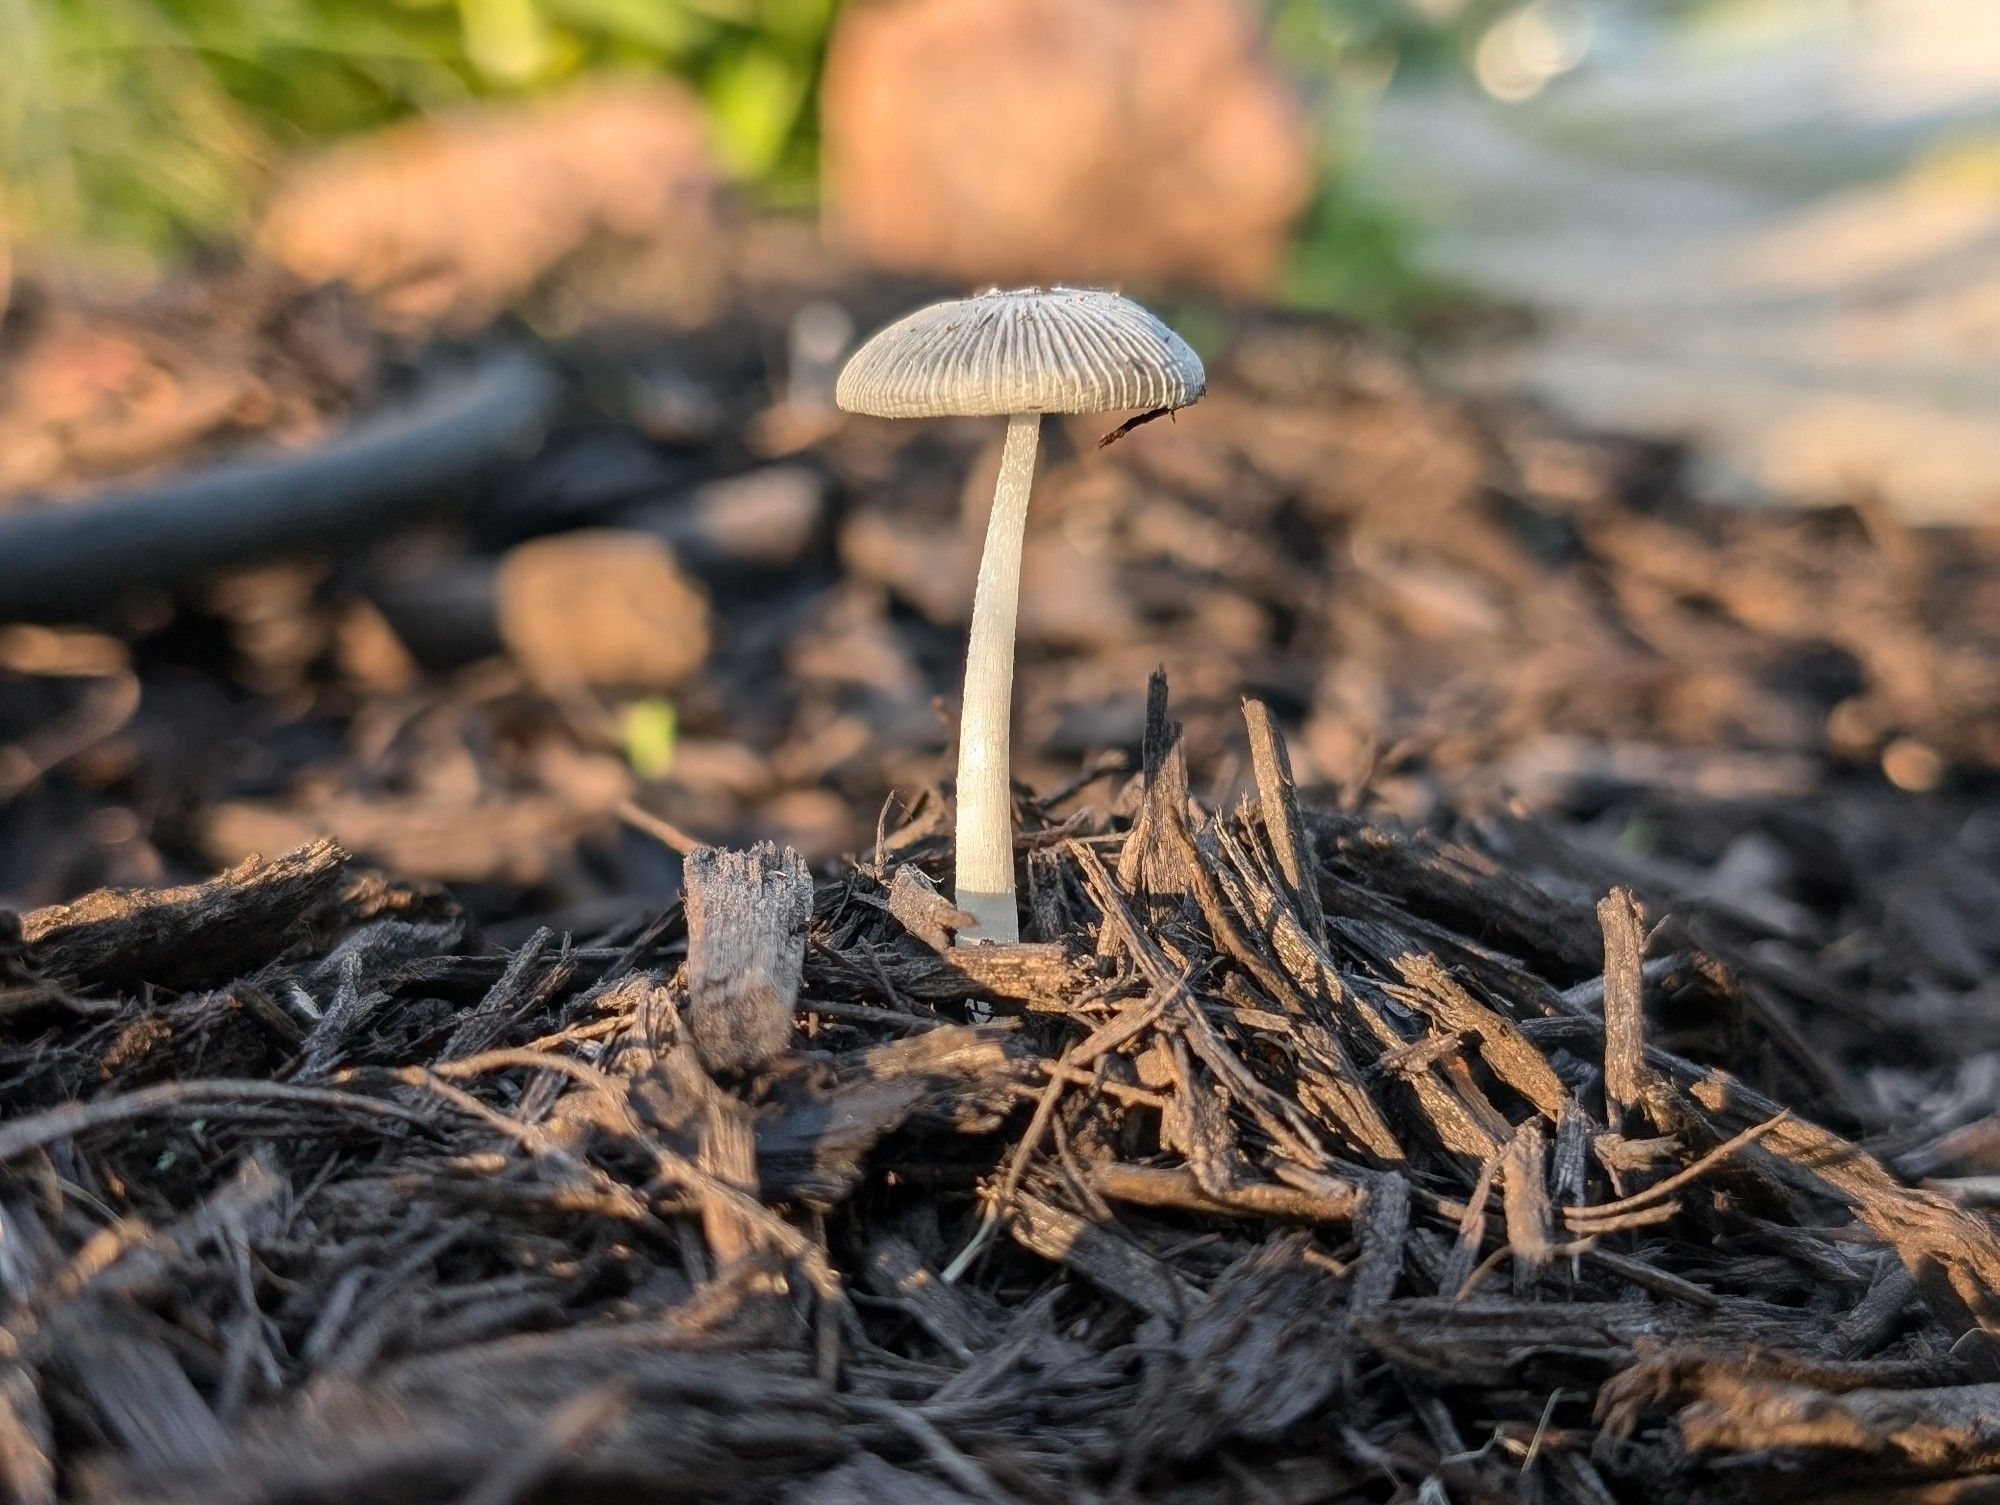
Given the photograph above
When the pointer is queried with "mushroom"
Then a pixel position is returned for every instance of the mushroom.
(1020, 354)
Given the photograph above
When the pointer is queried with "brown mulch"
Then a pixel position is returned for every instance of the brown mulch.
(1295, 1156)
(1580, 1087)
(1451, 608)
(101, 384)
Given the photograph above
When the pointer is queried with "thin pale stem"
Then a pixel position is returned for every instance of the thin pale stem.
(985, 799)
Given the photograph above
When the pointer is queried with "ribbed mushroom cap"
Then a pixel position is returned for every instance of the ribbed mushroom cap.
(1060, 350)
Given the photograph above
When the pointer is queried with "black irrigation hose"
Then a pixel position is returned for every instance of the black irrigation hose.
(68, 561)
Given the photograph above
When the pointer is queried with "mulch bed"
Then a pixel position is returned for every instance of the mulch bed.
(1580, 1087)
(95, 386)
(1453, 609)
(1293, 1157)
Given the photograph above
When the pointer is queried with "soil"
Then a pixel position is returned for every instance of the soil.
(1542, 1042)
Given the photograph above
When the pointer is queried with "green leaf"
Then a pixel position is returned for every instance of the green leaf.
(648, 731)
(507, 40)
(670, 30)
(755, 95)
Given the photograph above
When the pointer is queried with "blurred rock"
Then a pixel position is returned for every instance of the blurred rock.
(601, 607)
(452, 218)
(1077, 140)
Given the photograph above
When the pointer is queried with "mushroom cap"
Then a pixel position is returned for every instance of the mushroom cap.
(1031, 350)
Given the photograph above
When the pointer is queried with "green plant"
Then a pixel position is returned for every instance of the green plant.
(1355, 257)
(1350, 253)
(1324, 36)
(153, 123)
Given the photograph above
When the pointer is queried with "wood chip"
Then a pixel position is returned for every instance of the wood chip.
(747, 916)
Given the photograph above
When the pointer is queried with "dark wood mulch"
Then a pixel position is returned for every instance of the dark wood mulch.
(1297, 1156)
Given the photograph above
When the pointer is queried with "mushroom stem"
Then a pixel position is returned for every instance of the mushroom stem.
(985, 798)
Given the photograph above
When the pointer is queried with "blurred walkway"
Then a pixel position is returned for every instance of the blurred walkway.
(1777, 233)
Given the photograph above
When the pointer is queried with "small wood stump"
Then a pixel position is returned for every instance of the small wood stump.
(747, 914)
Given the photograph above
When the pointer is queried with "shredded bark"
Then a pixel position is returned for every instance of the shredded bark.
(1304, 1158)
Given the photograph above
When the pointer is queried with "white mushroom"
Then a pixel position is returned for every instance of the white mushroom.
(1019, 354)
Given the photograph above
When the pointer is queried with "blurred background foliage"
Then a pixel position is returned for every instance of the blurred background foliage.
(151, 126)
